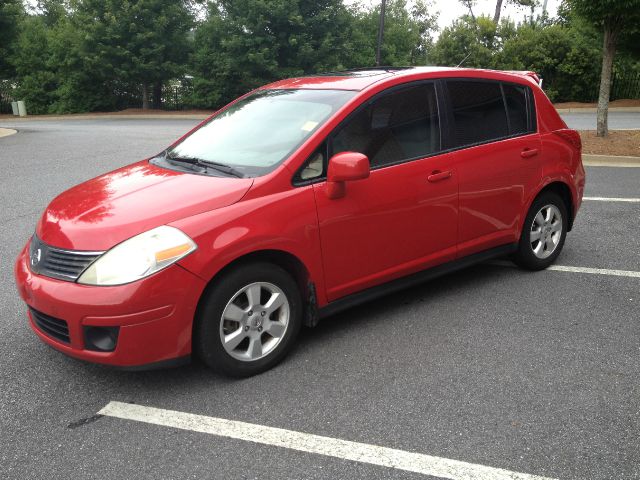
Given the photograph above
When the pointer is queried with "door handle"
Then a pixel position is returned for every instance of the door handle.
(437, 176)
(529, 152)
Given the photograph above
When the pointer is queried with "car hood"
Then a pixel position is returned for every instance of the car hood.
(104, 211)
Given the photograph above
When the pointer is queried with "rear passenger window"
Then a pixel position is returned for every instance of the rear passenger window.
(516, 99)
(400, 125)
(478, 112)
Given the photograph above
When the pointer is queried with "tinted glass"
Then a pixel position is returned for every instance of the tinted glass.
(398, 126)
(516, 99)
(478, 112)
(257, 133)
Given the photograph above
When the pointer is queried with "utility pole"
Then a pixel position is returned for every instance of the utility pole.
(380, 31)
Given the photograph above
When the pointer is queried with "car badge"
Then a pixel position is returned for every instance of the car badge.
(35, 257)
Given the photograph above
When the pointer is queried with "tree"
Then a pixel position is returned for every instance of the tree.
(11, 13)
(613, 18)
(474, 42)
(245, 43)
(563, 56)
(145, 42)
(408, 33)
(469, 4)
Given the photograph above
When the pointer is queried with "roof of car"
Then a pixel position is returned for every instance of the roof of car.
(359, 79)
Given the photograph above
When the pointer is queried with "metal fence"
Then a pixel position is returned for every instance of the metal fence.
(174, 96)
(625, 85)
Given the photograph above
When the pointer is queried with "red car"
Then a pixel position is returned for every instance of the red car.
(297, 200)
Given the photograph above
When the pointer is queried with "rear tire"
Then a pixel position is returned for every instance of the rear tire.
(543, 233)
(248, 320)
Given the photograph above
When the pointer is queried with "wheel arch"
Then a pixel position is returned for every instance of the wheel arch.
(289, 262)
(563, 190)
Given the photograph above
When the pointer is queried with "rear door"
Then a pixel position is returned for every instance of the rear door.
(493, 132)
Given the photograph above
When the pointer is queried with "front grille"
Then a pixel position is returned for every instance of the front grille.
(53, 327)
(58, 263)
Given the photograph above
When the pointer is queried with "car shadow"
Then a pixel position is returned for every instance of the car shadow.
(367, 315)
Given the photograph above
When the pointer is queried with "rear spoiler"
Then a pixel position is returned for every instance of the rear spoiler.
(524, 73)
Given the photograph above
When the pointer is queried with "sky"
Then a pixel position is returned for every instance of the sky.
(452, 9)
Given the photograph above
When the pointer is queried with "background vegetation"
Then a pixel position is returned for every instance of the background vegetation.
(99, 55)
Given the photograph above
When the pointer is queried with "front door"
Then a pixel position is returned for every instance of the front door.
(401, 219)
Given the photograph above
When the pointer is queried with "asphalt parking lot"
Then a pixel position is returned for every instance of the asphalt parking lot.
(536, 373)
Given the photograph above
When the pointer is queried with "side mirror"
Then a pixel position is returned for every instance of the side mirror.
(345, 167)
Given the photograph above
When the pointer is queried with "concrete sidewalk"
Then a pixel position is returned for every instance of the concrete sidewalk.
(115, 116)
(202, 116)
(609, 161)
(595, 110)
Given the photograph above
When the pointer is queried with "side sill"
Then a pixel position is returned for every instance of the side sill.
(413, 279)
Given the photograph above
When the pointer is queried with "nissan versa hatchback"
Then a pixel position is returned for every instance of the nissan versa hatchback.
(297, 200)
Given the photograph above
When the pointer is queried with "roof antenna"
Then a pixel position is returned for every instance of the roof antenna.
(462, 61)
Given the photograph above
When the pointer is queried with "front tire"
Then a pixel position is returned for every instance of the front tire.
(248, 320)
(543, 233)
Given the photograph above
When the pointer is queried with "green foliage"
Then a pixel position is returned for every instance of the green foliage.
(566, 56)
(246, 43)
(616, 13)
(11, 13)
(407, 34)
(38, 77)
(474, 43)
(90, 55)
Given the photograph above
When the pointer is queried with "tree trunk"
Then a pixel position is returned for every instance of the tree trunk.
(157, 95)
(496, 16)
(608, 52)
(383, 5)
(145, 96)
(468, 4)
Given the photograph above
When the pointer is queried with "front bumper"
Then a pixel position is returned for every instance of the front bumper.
(155, 315)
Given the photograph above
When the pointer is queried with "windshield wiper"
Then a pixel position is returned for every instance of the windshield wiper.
(221, 167)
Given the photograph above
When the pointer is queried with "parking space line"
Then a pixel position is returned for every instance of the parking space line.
(611, 199)
(595, 271)
(305, 442)
(567, 268)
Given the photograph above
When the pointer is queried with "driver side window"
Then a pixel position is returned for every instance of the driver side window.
(400, 125)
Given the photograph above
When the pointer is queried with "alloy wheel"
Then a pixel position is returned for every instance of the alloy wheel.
(254, 321)
(546, 231)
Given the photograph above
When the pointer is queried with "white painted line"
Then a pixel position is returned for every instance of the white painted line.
(611, 199)
(595, 271)
(305, 442)
(566, 268)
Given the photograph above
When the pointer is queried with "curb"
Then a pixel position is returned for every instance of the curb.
(591, 160)
(151, 116)
(595, 110)
(5, 132)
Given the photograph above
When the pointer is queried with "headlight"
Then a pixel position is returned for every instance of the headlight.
(139, 257)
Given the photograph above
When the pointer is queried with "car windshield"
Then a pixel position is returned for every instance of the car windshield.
(257, 133)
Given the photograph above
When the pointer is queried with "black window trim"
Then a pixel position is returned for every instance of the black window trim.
(530, 108)
(445, 122)
(328, 140)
